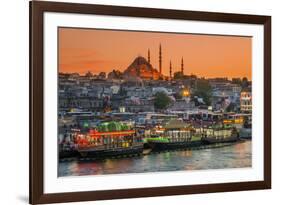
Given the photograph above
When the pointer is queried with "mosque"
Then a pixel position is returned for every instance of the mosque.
(142, 68)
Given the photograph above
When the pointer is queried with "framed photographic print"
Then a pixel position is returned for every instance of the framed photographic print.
(138, 102)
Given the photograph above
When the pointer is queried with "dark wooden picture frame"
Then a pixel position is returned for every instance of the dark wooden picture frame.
(37, 9)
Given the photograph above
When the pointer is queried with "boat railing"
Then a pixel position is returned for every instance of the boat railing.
(94, 147)
(109, 146)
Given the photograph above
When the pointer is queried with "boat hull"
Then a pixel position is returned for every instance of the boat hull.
(166, 146)
(245, 133)
(212, 140)
(108, 153)
(68, 154)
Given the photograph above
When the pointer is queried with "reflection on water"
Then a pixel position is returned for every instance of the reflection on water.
(234, 156)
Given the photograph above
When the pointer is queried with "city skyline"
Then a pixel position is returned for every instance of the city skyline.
(83, 50)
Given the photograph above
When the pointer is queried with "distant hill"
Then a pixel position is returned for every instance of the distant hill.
(140, 68)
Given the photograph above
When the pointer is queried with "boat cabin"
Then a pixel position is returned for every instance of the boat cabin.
(176, 131)
(109, 135)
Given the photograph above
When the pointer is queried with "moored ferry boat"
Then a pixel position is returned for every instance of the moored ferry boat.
(109, 139)
(174, 134)
(246, 131)
(220, 133)
(243, 123)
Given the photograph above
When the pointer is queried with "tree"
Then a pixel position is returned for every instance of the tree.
(102, 75)
(161, 100)
(231, 107)
(178, 96)
(115, 74)
(203, 90)
(89, 74)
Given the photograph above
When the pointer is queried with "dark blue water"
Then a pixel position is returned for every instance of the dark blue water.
(232, 156)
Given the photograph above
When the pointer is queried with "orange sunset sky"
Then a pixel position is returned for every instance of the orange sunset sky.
(82, 50)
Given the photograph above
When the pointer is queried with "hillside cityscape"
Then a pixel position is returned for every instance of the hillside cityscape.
(140, 110)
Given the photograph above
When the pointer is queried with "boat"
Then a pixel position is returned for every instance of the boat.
(67, 149)
(109, 139)
(67, 152)
(220, 133)
(243, 123)
(172, 135)
(246, 131)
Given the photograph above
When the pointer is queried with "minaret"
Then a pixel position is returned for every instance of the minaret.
(148, 56)
(182, 71)
(160, 59)
(170, 70)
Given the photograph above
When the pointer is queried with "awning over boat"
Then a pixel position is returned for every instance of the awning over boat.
(176, 124)
(113, 134)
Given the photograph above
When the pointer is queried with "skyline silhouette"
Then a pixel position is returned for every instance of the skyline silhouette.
(83, 50)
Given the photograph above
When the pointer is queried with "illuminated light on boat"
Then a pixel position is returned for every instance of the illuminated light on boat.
(234, 121)
(240, 120)
(94, 133)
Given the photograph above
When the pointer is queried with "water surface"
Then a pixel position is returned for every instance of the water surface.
(233, 156)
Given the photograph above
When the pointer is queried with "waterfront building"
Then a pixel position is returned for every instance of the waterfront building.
(226, 90)
(167, 91)
(139, 92)
(122, 109)
(184, 104)
(73, 76)
(115, 89)
(153, 118)
(88, 103)
(217, 82)
(116, 100)
(246, 100)
(95, 91)
(224, 94)
(136, 105)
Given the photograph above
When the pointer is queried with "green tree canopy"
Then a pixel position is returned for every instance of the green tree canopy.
(230, 107)
(203, 90)
(161, 100)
